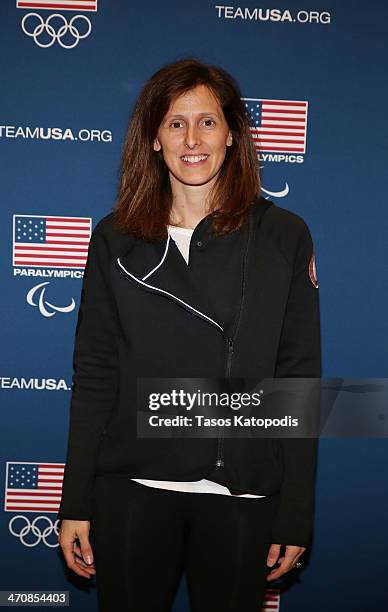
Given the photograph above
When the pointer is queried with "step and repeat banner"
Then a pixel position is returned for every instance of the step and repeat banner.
(313, 74)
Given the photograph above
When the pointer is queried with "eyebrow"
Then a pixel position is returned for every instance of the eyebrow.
(199, 115)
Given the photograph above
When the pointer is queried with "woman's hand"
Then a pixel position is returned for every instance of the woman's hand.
(287, 562)
(78, 558)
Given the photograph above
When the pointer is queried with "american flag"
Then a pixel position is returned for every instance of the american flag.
(33, 487)
(280, 125)
(64, 5)
(55, 242)
(271, 601)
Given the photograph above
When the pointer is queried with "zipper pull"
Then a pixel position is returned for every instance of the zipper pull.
(230, 344)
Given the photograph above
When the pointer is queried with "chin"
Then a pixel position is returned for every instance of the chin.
(195, 181)
(192, 178)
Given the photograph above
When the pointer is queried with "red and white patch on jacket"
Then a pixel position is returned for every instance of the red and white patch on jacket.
(313, 271)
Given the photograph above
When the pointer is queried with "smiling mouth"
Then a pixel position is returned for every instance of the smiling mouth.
(194, 159)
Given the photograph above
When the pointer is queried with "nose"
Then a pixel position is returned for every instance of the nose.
(192, 137)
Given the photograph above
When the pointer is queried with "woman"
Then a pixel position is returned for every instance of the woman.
(192, 275)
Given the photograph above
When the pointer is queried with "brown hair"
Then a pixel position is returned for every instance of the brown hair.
(145, 197)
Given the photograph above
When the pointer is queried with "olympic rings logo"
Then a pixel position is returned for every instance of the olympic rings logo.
(56, 35)
(38, 534)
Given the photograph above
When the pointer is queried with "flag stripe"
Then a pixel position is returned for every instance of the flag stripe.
(41, 508)
(52, 264)
(41, 256)
(64, 241)
(288, 138)
(283, 112)
(40, 496)
(281, 120)
(285, 107)
(280, 140)
(289, 132)
(52, 250)
(73, 227)
(284, 149)
(64, 235)
(71, 5)
(278, 125)
(278, 102)
(78, 220)
(55, 468)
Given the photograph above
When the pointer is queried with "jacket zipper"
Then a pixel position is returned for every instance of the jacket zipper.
(220, 453)
(220, 462)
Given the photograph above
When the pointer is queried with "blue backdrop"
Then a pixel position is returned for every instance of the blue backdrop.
(67, 90)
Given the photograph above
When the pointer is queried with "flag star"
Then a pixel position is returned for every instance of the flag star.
(23, 468)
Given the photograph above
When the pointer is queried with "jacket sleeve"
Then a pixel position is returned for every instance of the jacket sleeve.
(95, 380)
(299, 355)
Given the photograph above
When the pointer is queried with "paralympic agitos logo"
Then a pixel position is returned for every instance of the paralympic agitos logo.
(56, 28)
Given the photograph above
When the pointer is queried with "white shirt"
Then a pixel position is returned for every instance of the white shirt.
(182, 236)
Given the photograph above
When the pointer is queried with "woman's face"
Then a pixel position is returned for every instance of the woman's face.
(193, 137)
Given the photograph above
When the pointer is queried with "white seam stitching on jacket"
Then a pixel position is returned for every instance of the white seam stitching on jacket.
(161, 261)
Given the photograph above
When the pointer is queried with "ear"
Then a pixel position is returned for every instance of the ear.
(229, 139)
(157, 146)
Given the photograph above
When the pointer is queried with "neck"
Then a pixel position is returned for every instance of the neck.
(189, 203)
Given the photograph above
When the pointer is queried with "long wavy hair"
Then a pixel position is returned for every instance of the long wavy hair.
(144, 201)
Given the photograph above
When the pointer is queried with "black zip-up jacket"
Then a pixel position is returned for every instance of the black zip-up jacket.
(245, 306)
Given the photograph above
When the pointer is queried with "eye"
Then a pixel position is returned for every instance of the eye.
(209, 122)
(174, 123)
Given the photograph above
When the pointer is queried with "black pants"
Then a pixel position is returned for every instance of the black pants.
(143, 538)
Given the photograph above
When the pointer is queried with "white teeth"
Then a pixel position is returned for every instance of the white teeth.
(194, 158)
